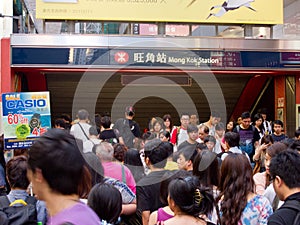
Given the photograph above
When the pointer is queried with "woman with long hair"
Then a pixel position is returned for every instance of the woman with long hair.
(262, 180)
(189, 202)
(238, 204)
(168, 124)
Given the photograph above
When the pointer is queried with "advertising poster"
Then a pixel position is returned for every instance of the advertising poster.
(26, 116)
(182, 11)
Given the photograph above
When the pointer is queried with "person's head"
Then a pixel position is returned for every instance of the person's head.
(56, 165)
(129, 111)
(267, 139)
(83, 114)
(239, 120)
(105, 122)
(157, 126)
(93, 131)
(295, 145)
(168, 121)
(232, 139)
(16, 171)
(206, 168)
(119, 152)
(194, 119)
(220, 129)
(185, 120)
(192, 131)
(236, 182)
(285, 172)
(165, 136)
(246, 119)
(258, 119)
(230, 126)
(272, 151)
(214, 118)
(148, 136)
(165, 181)
(156, 153)
(132, 157)
(210, 142)
(263, 112)
(186, 196)
(277, 126)
(203, 131)
(60, 123)
(185, 158)
(105, 151)
(106, 201)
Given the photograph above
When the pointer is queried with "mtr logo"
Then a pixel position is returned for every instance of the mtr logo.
(121, 57)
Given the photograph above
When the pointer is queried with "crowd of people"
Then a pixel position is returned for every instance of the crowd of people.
(195, 173)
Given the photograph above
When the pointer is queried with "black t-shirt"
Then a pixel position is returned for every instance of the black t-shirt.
(284, 216)
(278, 138)
(110, 136)
(148, 191)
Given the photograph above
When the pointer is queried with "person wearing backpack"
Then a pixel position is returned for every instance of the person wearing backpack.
(285, 173)
(18, 207)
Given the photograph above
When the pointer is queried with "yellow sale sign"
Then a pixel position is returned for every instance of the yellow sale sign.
(185, 11)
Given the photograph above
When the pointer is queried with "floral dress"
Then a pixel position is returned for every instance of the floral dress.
(256, 212)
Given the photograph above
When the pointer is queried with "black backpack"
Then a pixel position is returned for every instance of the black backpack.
(294, 205)
(18, 212)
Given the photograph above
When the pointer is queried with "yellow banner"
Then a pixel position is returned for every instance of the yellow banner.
(189, 11)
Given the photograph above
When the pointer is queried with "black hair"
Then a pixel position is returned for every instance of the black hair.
(232, 139)
(286, 166)
(134, 163)
(277, 122)
(267, 139)
(295, 145)
(93, 131)
(95, 167)
(192, 128)
(166, 134)
(165, 181)
(257, 116)
(16, 169)
(206, 168)
(157, 153)
(210, 138)
(188, 153)
(246, 115)
(148, 136)
(60, 122)
(204, 127)
(56, 152)
(168, 117)
(220, 126)
(105, 121)
(189, 197)
(106, 201)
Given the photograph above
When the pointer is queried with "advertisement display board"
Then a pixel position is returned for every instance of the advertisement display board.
(25, 117)
(182, 11)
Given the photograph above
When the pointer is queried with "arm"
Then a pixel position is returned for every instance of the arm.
(145, 217)
(128, 209)
(153, 218)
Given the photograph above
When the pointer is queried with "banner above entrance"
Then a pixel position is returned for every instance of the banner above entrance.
(182, 11)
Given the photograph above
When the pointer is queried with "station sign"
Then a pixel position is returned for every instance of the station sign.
(179, 11)
(25, 117)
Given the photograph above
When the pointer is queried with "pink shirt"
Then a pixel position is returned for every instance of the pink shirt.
(260, 183)
(114, 170)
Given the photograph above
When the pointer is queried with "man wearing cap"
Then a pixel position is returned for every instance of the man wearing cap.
(128, 128)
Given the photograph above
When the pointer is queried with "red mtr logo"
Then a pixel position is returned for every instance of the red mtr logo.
(121, 57)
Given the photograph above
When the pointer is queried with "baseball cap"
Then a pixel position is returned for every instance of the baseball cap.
(129, 109)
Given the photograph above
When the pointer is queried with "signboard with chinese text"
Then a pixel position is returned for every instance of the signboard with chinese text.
(175, 58)
(183, 11)
(26, 116)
